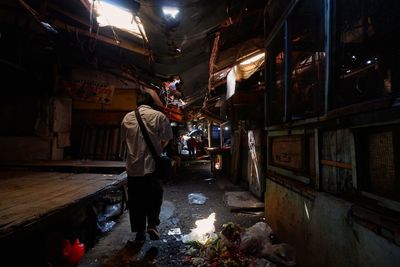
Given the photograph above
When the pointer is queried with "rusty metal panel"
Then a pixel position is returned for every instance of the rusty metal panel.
(381, 162)
(311, 158)
(63, 140)
(288, 152)
(336, 165)
(235, 170)
(61, 114)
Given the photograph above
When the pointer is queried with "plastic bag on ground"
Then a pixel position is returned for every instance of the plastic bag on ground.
(282, 253)
(204, 230)
(197, 198)
(255, 239)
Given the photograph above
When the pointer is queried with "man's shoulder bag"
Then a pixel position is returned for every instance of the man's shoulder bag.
(163, 163)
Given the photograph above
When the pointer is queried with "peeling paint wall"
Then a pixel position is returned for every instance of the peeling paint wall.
(24, 148)
(49, 136)
(328, 236)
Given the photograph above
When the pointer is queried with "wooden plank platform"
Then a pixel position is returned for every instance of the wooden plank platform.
(26, 196)
(69, 163)
(99, 166)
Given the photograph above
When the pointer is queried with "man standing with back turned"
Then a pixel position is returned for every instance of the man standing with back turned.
(191, 144)
(145, 192)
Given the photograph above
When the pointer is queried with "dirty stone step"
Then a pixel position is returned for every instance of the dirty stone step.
(242, 201)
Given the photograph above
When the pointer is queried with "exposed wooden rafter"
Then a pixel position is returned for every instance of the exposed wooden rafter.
(64, 26)
(86, 4)
(120, 42)
(213, 57)
(69, 15)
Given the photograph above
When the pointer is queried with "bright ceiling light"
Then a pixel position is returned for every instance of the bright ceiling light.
(170, 11)
(253, 59)
(112, 15)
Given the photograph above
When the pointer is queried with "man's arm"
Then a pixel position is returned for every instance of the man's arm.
(165, 131)
(164, 144)
(122, 144)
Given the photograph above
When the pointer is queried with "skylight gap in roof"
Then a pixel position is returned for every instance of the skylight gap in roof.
(170, 11)
(110, 14)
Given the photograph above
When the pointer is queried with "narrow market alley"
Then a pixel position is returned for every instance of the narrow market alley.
(178, 217)
(279, 119)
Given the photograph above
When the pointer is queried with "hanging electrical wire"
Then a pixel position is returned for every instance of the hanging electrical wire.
(91, 16)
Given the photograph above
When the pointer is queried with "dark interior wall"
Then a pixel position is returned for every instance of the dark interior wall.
(27, 65)
(95, 131)
(96, 134)
(25, 99)
(18, 115)
(34, 65)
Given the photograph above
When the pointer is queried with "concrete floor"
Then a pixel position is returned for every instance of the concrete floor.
(114, 250)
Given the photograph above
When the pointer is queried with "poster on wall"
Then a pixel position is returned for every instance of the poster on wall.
(254, 163)
(91, 91)
(96, 86)
(287, 152)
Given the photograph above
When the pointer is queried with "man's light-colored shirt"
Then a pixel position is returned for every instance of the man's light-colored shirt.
(139, 159)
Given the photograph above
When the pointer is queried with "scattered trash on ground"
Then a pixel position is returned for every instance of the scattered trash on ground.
(235, 246)
(197, 198)
(105, 226)
(174, 231)
(204, 231)
(104, 220)
(108, 209)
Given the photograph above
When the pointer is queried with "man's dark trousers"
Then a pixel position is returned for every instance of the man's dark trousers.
(145, 196)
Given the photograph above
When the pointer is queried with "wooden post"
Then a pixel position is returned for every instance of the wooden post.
(209, 135)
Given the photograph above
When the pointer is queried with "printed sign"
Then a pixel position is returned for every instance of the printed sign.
(91, 91)
(287, 151)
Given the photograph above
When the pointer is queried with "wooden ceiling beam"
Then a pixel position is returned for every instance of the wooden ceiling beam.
(231, 56)
(85, 4)
(119, 43)
(62, 25)
(213, 58)
(69, 15)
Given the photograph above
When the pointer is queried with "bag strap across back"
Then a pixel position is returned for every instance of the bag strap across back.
(145, 134)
